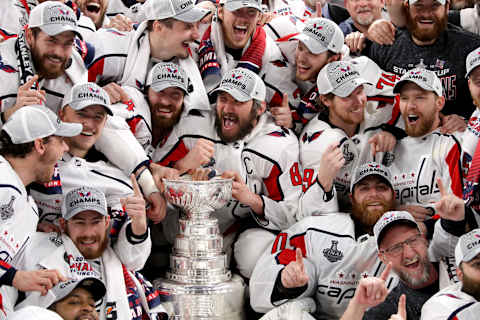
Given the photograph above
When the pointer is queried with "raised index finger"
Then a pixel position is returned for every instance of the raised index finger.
(136, 188)
(402, 306)
(28, 85)
(386, 272)
(299, 256)
(441, 187)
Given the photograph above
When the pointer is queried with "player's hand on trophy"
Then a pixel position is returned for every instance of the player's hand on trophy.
(160, 172)
(202, 174)
(242, 193)
(201, 154)
(331, 162)
(134, 206)
(294, 275)
(450, 207)
(282, 115)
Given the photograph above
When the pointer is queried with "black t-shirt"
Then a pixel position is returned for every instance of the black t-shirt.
(415, 301)
(446, 57)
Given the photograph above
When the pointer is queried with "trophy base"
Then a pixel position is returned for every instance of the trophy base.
(221, 301)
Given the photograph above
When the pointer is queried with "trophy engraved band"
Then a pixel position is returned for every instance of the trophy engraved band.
(198, 281)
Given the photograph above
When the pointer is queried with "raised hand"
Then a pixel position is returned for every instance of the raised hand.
(294, 275)
(37, 280)
(331, 162)
(382, 142)
(382, 32)
(134, 206)
(116, 93)
(450, 206)
(27, 96)
(121, 23)
(201, 154)
(282, 115)
(372, 291)
(402, 309)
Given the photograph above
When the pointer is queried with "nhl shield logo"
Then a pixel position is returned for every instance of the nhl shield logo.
(6, 210)
(333, 254)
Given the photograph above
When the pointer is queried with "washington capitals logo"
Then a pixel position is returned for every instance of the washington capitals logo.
(236, 77)
(345, 69)
(114, 31)
(389, 216)
(374, 165)
(139, 85)
(279, 63)
(93, 90)
(415, 72)
(172, 70)
(62, 11)
(81, 194)
(476, 235)
(5, 67)
(318, 27)
(313, 137)
(277, 134)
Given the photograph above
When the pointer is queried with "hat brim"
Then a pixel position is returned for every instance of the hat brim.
(54, 29)
(95, 287)
(312, 45)
(79, 105)
(235, 5)
(159, 86)
(193, 15)
(347, 88)
(77, 210)
(398, 86)
(67, 129)
(236, 94)
(391, 225)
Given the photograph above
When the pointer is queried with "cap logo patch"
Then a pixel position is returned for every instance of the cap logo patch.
(87, 194)
(93, 90)
(319, 27)
(172, 70)
(346, 69)
(238, 77)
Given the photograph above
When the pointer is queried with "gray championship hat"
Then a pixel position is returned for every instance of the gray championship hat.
(167, 74)
(243, 85)
(53, 17)
(473, 61)
(339, 78)
(34, 122)
(232, 5)
(468, 247)
(369, 169)
(425, 79)
(442, 2)
(82, 199)
(183, 10)
(93, 285)
(87, 94)
(320, 35)
(389, 219)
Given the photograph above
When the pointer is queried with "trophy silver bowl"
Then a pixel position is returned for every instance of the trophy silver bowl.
(198, 281)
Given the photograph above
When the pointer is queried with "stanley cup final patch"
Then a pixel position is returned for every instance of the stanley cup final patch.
(333, 254)
(6, 210)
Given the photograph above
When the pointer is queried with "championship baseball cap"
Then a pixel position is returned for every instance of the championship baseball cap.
(33, 122)
(369, 169)
(320, 35)
(425, 79)
(468, 246)
(87, 94)
(243, 85)
(183, 10)
(167, 74)
(232, 5)
(53, 17)
(442, 2)
(339, 78)
(473, 61)
(389, 219)
(93, 285)
(82, 199)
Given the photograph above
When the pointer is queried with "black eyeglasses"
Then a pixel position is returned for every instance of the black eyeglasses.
(397, 249)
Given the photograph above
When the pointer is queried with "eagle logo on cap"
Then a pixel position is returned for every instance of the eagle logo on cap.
(172, 70)
(345, 69)
(476, 235)
(236, 77)
(388, 216)
(415, 72)
(318, 27)
(62, 11)
(93, 90)
(81, 194)
(374, 165)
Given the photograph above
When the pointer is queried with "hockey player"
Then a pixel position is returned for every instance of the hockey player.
(39, 66)
(235, 40)
(31, 144)
(449, 302)
(336, 251)
(83, 249)
(343, 136)
(424, 154)
(261, 157)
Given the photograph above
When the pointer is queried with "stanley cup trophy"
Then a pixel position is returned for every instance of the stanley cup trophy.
(199, 282)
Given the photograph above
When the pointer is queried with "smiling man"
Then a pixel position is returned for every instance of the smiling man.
(430, 43)
(362, 14)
